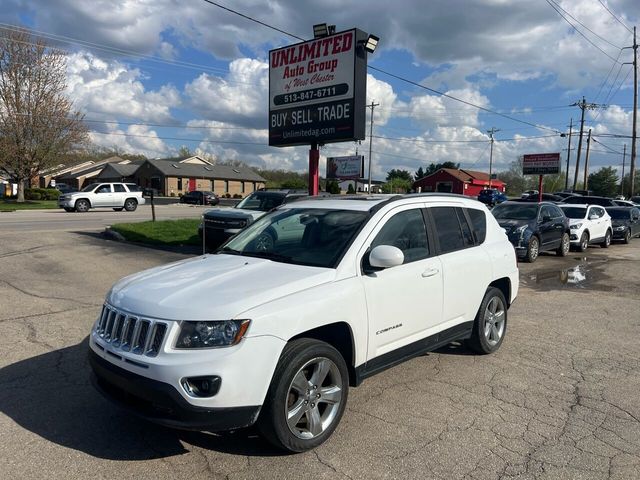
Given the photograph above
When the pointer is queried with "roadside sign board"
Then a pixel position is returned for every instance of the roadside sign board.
(345, 168)
(541, 164)
(317, 90)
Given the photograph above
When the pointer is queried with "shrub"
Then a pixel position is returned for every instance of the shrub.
(172, 194)
(51, 194)
(34, 196)
(237, 195)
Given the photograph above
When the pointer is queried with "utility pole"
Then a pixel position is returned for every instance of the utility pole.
(624, 154)
(372, 106)
(632, 169)
(586, 163)
(583, 106)
(491, 133)
(566, 179)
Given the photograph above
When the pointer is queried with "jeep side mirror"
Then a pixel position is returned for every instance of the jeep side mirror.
(386, 256)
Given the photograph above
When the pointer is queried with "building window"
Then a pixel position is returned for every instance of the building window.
(255, 187)
(242, 186)
(226, 186)
(179, 184)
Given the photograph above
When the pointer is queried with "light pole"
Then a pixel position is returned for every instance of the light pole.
(491, 132)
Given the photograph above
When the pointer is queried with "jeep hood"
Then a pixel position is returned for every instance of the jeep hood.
(212, 287)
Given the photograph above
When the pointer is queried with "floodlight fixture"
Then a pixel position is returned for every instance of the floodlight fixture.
(371, 43)
(320, 30)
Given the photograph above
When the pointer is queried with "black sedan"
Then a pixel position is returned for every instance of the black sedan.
(198, 197)
(534, 227)
(625, 222)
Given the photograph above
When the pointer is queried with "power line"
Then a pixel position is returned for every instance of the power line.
(177, 138)
(614, 16)
(391, 74)
(584, 26)
(553, 5)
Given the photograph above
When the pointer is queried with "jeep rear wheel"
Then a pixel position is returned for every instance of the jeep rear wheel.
(307, 396)
(82, 206)
(490, 324)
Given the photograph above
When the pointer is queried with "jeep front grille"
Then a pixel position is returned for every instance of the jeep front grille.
(130, 333)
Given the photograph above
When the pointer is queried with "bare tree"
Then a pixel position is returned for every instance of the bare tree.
(37, 121)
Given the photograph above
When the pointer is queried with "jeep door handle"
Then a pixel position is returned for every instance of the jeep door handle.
(430, 272)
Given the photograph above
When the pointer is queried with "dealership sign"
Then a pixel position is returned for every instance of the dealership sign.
(317, 90)
(345, 168)
(541, 164)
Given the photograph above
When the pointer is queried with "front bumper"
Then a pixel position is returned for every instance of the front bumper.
(619, 234)
(161, 403)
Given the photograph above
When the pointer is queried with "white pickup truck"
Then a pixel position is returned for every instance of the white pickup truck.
(118, 196)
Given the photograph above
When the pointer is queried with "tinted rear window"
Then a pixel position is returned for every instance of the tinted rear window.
(479, 224)
(448, 229)
(133, 188)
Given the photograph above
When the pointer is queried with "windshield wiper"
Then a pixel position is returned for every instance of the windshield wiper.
(268, 255)
(229, 251)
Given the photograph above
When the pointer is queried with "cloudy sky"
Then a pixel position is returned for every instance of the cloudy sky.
(153, 75)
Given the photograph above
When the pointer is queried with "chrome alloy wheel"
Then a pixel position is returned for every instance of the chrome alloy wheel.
(494, 317)
(314, 398)
(566, 244)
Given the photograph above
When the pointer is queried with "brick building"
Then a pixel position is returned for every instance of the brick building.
(463, 182)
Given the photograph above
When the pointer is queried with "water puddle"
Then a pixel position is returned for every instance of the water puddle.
(586, 275)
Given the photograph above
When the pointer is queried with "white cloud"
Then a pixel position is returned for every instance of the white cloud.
(135, 139)
(111, 88)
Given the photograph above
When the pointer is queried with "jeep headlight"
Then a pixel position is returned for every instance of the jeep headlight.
(211, 334)
(575, 226)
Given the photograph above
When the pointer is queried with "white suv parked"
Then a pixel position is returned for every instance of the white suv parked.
(305, 302)
(118, 196)
(588, 224)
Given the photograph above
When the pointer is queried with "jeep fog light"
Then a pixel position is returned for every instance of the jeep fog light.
(201, 386)
(211, 334)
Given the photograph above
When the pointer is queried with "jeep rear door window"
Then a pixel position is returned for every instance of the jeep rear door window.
(406, 231)
(448, 229)
(464, 225)
(119, 188)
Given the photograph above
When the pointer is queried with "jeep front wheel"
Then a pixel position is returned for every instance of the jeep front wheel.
(307, 396)
(490, 323)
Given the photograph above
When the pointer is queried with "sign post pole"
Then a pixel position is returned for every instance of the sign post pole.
(314, 166)
(540, 188)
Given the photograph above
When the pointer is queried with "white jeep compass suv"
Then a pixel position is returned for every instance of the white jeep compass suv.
(310, 299)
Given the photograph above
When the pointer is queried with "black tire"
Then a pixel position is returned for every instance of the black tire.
(117, 209)
(584, 242)
(266, 240)
(565, 246)
(482, 342)
(281, 396)
(82, 206)
(607, 240)
(69, 209)
(627, 237)
(130, 204)
(533, 249)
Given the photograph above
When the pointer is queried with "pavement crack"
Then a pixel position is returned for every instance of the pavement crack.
(44, 297)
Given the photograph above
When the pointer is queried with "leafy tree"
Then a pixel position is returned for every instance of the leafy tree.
(185, 152)
(294, 183)
(350, 189)
(333, 187)
(626, 187)
(401, 174)
(419, 174)
(396, 185)
(37, 121)
(604, 182)
(434, 167)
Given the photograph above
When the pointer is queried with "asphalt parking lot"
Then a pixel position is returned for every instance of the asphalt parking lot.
(558, 400)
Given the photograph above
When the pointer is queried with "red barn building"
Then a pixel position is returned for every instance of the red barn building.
(464, 182)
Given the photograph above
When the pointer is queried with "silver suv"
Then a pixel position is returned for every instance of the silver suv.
(118, 196)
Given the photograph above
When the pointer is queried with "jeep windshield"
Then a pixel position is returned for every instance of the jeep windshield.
(262, 202)
(302, 236)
